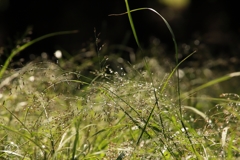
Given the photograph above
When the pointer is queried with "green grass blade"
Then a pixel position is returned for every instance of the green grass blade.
(172, 35)
(176, 58)
(215, 81)
(77, 124)
(24, 136)
(204, 116)
(153, 108)
(132, 24)
(171, 74)
(134, 31)
(125, 112)
(18, 119)
(21, 48)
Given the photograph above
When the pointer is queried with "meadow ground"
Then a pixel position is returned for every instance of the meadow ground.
(48, 112)
(102, 107)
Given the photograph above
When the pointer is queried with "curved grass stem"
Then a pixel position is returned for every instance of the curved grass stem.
(21, 48)
(170, 75)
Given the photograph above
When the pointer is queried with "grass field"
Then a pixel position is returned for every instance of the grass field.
(123, 111)
(51, 113)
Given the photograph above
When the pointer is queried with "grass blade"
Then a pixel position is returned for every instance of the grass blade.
(21, 48)
(215, 81)
(25, 136)
(132, 24)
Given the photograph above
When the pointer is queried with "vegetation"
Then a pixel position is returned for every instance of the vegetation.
(139, 111)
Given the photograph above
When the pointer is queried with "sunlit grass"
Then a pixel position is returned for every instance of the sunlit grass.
(49, 113)
(139, 111)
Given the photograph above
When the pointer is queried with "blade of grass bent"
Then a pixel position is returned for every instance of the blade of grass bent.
(136, 39)
(173, 38)
(169, 28)
(133, 28)
(21, 48)
(176, 57)
(24, 136)
(210, 83)
(18, 120)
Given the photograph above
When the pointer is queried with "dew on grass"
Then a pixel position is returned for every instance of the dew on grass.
(230, 96)
(209, 122)
(110, 70)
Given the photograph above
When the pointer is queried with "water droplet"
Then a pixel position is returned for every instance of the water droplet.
(58, 54)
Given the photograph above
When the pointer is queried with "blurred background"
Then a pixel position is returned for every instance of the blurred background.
(210, 26)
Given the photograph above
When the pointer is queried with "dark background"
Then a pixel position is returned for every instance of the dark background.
(214, 23)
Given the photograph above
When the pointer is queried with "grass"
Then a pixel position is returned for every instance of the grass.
(51, 111)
